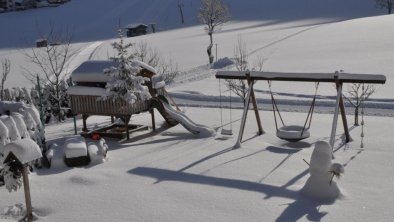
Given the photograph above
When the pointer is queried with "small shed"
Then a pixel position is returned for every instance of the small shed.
(136, 29)
(41, 43)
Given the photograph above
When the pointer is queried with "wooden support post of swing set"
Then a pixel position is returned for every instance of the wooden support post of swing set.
(339, 106)
(249, 96)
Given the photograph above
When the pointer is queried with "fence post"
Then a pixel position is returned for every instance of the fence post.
(40, 101)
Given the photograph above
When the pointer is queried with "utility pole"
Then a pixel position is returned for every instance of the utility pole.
(180, 6)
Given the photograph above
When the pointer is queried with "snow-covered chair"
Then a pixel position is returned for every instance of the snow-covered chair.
(76, 152)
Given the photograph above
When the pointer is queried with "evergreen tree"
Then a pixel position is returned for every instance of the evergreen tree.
(124, 82)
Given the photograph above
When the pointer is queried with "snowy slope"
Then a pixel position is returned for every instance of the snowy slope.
(92, 20)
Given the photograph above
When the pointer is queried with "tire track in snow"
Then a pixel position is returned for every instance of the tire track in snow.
(284, 39)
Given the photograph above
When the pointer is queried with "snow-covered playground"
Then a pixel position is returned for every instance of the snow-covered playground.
(191, 151)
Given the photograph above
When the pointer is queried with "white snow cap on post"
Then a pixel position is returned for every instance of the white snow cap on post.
(25, 150)
(144, 66)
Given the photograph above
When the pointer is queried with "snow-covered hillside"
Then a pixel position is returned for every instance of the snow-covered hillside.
(91, 20)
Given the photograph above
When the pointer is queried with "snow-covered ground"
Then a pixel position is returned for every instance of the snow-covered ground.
(173, 175)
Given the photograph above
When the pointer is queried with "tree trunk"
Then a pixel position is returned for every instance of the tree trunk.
(356, 116)
(209, 49)
(58, 102)
(389, 7)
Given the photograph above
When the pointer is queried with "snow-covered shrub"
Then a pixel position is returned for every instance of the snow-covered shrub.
(12, 128)
(53, 105)
(12, 176)
(20, 124)
(4, 134)
(124, 83)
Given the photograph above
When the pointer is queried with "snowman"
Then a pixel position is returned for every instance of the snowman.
(320, 184)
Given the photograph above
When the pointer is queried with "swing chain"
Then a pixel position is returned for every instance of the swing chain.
(362, 119)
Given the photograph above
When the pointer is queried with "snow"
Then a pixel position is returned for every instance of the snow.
(20, 124)
(145, 66)
(92, 71)
(86, 91)
(75, 147)
(12, 128)
(293, 132)
(318, 186)
(173, 175)
(26, 150)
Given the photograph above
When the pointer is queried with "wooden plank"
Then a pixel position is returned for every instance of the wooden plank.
(255, 107)
(304, 77)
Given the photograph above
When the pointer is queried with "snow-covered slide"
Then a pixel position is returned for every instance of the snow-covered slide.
(187, 122)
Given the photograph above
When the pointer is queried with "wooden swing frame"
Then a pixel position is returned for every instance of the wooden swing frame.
(338, 78)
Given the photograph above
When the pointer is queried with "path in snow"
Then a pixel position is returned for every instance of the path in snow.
(79, 57)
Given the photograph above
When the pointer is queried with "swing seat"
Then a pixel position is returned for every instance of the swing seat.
(292, 133)
(227, 132)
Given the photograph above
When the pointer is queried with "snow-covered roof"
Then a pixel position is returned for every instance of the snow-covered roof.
(92, 71)
(26, 150)
(135, 25)
(85, 91)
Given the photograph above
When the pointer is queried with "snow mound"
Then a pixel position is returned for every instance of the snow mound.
(75, 147)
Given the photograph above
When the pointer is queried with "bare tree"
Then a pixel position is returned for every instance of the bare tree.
(144, 53)
(239, 87)
(6, 67)
(213, 14)
(52, 62)
(388, 4)
(357, 94)
(165, 67)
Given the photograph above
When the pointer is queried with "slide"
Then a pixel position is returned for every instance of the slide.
(186, 121)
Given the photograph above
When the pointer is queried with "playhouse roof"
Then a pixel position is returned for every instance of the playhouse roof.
(92, 71)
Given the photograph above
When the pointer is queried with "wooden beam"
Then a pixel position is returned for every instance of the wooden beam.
(84, 117)
(335, 119)
(343, 115)
(152, 113)
(255, 107)
(29, 209)
(244, 116)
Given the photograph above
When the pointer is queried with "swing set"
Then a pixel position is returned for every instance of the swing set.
(295, 133)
